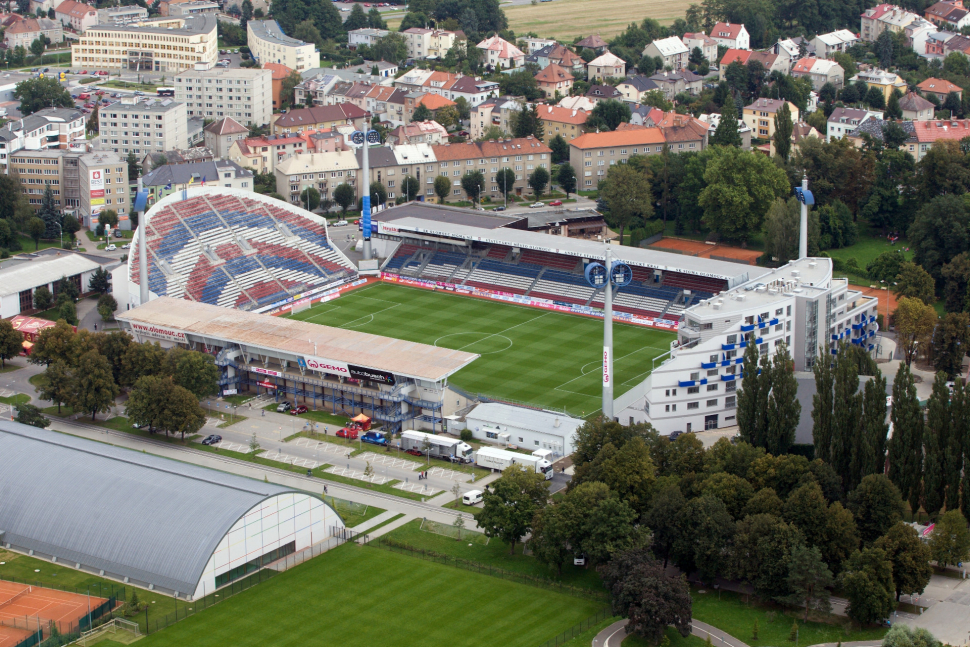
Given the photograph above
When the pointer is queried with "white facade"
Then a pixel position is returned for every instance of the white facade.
(246, 95)
(290, 521)
(798, 304)
(531, 429)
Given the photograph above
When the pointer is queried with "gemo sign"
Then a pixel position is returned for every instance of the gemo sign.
(156, 332)
(326, 365)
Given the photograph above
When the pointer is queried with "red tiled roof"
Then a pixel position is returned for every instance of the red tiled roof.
(320, 114)
(739, 55)
(479, 150)
(939, 86)
(553, 73)
(933, 130)
(726, 30)
(279, 71)
(434, 101)
(621, 138)
(561, 115)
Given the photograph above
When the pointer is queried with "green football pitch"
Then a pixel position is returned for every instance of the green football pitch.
(363, 596)
(541, 357)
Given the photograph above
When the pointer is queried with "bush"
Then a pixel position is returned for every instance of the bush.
(466, 435)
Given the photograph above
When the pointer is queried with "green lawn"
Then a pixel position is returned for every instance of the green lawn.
(496, 554)
(868, 246)
(732, 614)
(27, 244)
(129, 85)
(542, 357)
(361, 596)
(18, 399)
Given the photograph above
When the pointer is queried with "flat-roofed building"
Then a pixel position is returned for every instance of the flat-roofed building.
(142, 126)
(121, 15)
(246, 95)
(270, 45)
(151, 45)
(321, 171)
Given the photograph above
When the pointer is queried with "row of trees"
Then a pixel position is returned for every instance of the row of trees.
(787, 526)
(86, 371)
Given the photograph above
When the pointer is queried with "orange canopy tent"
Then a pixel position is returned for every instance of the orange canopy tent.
(361, 420)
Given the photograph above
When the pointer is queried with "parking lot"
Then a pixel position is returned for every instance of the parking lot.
(388, 461)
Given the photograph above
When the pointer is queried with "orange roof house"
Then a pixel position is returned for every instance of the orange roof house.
(280, 72)
(554, 78)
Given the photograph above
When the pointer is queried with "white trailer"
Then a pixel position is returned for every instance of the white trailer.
(498, 459)
(450, 449)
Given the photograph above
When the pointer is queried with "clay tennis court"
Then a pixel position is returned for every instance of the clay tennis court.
(23, 607)
(703, 250)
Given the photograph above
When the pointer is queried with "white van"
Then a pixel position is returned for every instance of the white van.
(472, 497)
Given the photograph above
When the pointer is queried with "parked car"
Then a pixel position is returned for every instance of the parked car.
(340, 223)
(555, 203)
(126, 246)
(536, 205)
(283, 407)
(110, 248)
(413, 452)
(118, 234)
(350, 434)
(502, 208)
(83, 72)
(212, 439)
(472, 497)
(84, 96)
(102, 73)
(579, 560)
(374, 438)
(674, 435)
(295, 411)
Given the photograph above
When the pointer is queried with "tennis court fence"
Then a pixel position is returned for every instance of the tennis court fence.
(52, 633)
(486, 569)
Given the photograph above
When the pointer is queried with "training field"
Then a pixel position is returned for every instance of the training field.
(359, 596)
(567, 19)
(541, 357)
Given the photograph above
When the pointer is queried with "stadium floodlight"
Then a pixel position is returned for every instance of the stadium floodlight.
(606, 276)
(364, 139)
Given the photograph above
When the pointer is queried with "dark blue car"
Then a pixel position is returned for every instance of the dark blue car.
(374, 438)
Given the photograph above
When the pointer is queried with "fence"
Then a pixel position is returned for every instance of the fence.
(486, 569)
(343, 505)
(129, 630)
(581, 628)
(456, 533)
(52, 633)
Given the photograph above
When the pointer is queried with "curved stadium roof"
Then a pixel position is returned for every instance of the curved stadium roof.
(154, 520)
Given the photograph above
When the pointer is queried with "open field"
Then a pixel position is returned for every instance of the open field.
(567, 19)
(361, 596)
(528, 355)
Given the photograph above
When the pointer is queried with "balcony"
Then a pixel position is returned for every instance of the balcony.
(730, 346)
(708, 364)
(730, 377)
(747, 328)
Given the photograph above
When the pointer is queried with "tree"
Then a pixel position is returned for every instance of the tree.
(310, 198)
(941, 229)
(28, 414)
(893, 111)
(953, 463)
(727, 133)
(47, 92)
(868, 584)
(836, 225)
(740, 187)
(783, 131)
(133, 168)
(644, 593)
(936, 440)
(950, 539)
(784, 410)
(94, 387)
(525, 122)
(628, 472)
(915, 282)
(566, 178)
(539, 180)
(822, 407)
(442, 188)
(344, 195)
(846, 419)
(287, 88)
(422, 113)
(906, 444)
(900, 635)
(752, 396)
(874, 426)
(357, 18)
(100, 281)
(875, 98)
(505, 179)
(140, 360)
(706, 528)
(551, 529)
(604, 524)
(182, 413)
(52, 344)
(910, 558)
(733, 490)
(36, 227)
(914, 321)
(11, 342)
(657, 99)
(608, 114)
(667, 504)
(106, 307)
(956, 278)
(67, 311)
(762, 551)
(560, 149)
(809, 579)
(885, 267)
(308, 32)
(877, 505)
(194, 371)
(511, 503)
(146, 401)
(247, 13)
(806, 508)
(472, 183)
(839, 538)
(108, 218)
(628, 195)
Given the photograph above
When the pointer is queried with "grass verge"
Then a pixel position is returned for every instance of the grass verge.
(356, 596)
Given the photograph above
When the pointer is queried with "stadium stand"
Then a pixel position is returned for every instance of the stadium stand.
(236, 249)
(547, 275)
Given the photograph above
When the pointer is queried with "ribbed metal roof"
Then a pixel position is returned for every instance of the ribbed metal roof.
(154, 520)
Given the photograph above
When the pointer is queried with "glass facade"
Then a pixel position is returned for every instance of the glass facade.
(255, 564)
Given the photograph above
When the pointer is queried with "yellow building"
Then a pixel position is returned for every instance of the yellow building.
(885, 81)
(151, 45)
(561, 121)
(269, 44)
(760, 116)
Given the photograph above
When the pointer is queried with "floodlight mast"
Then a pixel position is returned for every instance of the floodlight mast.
(142, 246)
(365, 139)
(608, 338)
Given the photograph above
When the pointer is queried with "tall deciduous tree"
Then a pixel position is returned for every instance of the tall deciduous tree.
(913, 281)
(906, 444)
(644, 593)
(94, 387)
(910, 558)
(192, 370)
(783, 131)
(57, 384)
(877, 505)
(868, 584)
(936, 439)
(629, 196)
(511, 503)
(667, 504)
(11, 342)
(784, 409)
(539, 180)
(915, 321)
(706, 528)
(472, 183)
(847, 419)
(874, 426)
(762, 551)
(560, 149)
(52, 344)
(750, 417)
(823, 406)
(809, 579)
(566, 178)
(954, 464)
(950, 540)
(551, 528)
(47, 92)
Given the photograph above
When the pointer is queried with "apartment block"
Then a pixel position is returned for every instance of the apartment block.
(246, 95)
(152, 45)
(144, 126)
(523, 155)
(45, 129)
(269, 44)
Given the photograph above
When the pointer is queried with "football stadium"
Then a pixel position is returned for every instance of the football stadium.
(489, 309)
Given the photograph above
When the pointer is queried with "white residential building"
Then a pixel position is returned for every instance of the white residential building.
(843, 121)
(428, 43)
(500, 53)
(270, 45)
(731, 35)
(244, 94)
(533, 45)
(46, 128)
(799, 305)
(365, 36)
(142, 126)
(672, 50)
(606, 66)
(833, 43)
